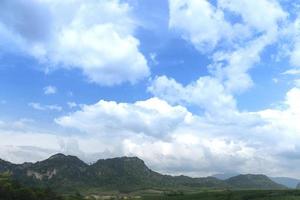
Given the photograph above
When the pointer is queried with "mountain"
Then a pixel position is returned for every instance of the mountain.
(288, 182)
(5, 166)
(69, 173)
(224, 176)
(250, 181)
(57, 170)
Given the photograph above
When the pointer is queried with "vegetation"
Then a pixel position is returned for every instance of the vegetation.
(234, 195)
(66, 174)
(12, 190)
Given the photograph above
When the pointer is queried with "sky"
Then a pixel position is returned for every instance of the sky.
(193, 87)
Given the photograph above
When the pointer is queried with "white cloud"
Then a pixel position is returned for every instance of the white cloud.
(207, 93)
(292, 72)
(199, 22)
(171, 132)
(151, 117)
(263, 15)
(72, 105)
(205, 26)
(38, 106)
(294, 33)
(297, 83)
(72, 34)
(161, 130)
(243, 143)
(49, 90)
(234, 73)
(284, 123)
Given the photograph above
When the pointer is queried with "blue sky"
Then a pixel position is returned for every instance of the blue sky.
(206, 85)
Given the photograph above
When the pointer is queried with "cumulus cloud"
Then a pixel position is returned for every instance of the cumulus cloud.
(242, 42)
(234, 48)
(171, 132)
(286, 118)
(265, 18)
(174, 134)
(199, 21)
(161, 130)
(49, 90)
(151, 117)
(207, 93)
(242, 144)
(96, 37)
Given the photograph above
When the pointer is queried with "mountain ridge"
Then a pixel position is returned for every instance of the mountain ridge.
(66, 172)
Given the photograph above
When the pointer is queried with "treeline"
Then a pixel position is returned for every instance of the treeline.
(13, 190)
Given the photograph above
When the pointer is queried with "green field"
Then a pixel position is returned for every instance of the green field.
(232, 195)
(208, 195)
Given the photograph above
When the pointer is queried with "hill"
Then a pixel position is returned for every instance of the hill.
(286, 181)
(250, 181)
(69, 173)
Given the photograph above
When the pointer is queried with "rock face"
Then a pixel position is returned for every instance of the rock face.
(62, 172)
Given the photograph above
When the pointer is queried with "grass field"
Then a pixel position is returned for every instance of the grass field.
(212, 195)
(231, 195)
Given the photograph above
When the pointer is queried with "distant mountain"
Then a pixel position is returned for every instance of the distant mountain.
(288, 182)
(250, 181)
(69, 173)
(224, 176)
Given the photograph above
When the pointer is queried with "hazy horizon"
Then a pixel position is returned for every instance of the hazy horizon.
(192, 87)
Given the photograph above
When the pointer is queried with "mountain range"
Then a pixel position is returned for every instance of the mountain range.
(291, 183)
(68, 173)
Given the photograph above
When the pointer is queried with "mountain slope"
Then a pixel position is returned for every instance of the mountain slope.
(286, 181)
(5, 166)
(224, 176)
(57, 170)
(250, 181)
(69, 173)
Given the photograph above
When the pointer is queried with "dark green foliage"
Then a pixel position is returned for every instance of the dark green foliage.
(12, 190)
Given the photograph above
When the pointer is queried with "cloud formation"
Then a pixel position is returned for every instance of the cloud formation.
(163, 130)
(150, 117)
(166, 136)
(49, 90)
(243, 143)
(38, 106)
(96, 37)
